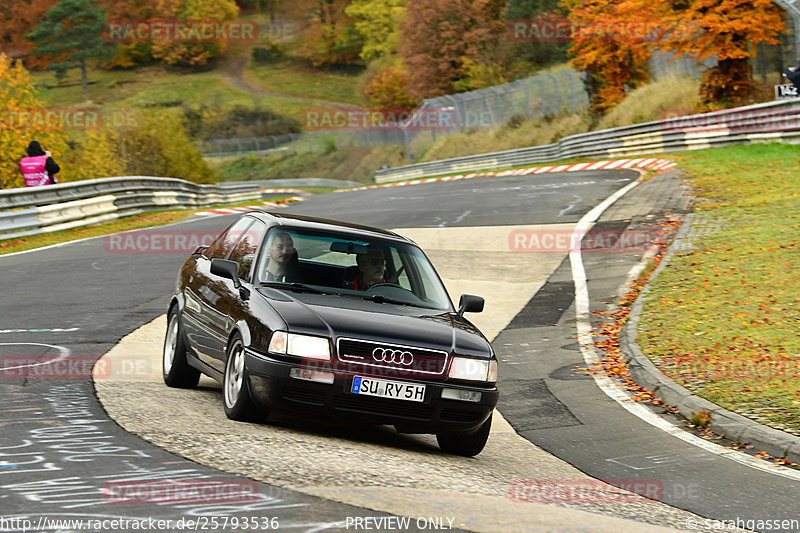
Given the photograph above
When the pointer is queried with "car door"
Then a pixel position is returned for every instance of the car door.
(245, 253)
(210, 296)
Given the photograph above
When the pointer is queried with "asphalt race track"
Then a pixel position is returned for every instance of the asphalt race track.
(59, 449)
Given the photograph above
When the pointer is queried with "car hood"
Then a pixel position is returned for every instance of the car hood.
(352, 317)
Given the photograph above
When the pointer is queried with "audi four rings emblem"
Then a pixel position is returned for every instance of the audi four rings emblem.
(388, 355)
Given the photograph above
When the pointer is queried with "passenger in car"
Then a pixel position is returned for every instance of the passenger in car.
(371, 267)
(282, 257)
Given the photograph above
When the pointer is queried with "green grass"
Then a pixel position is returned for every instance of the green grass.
(723, 319)
(295, 77)
(353, 164)
(155, 86)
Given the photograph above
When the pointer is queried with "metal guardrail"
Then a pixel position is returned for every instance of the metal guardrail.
(34, 210)
(222, 147)
(772, 121)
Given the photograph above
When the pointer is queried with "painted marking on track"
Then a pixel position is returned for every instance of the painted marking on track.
(609, 386)
(655, 460)
(39, 330)
(62, 351)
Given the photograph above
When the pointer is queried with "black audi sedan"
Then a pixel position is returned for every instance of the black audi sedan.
(301, 314)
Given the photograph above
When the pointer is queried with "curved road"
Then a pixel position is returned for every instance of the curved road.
(58, 449)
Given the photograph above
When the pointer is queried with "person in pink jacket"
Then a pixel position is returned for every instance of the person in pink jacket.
(38, 168)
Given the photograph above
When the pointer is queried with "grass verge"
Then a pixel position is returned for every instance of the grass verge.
(722, 318)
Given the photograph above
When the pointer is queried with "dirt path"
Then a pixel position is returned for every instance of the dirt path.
(233, 74)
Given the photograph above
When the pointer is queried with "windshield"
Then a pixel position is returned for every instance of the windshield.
(383, 271)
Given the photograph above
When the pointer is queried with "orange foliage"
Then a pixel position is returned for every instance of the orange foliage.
(721, 27)
(18, 18)
(612, 41)
(389, 90)
(439, 35)
(725, 28)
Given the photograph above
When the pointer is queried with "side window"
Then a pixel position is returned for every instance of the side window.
(245, 250)
(224, 244)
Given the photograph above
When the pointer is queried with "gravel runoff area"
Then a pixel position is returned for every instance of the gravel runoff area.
(371, 467)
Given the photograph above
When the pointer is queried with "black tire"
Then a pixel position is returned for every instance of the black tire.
(176, 370)
(466, 444)
(235, 388)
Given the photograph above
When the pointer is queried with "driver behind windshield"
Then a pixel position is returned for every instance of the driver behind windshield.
(371, 266)
(282, 256)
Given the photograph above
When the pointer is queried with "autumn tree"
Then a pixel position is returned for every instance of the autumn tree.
(612, 42)
(21, 113)
(189, 52)
(389, 90)
(437, 36)
(17, 19)
(331, 37)
(72, 33)
(532, 50)
(129, 54)
(378, 22)
(723, 28)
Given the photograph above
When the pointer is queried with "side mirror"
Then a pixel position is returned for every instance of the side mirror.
(229, 270)
(226, 269)
(469, 303)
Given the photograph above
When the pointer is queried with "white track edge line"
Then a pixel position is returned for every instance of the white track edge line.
(614, 391)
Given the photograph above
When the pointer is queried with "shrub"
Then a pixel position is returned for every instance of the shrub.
(389, 90)
(267, 54)
(210, 121)
(153, 145)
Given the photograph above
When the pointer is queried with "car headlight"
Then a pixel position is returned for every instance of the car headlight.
(473, 369)
(306, 346)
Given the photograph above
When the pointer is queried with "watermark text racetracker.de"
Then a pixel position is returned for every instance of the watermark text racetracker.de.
(754, 120)
(180, 492)
(585, 490)
(180, 31)
(565, 240)
(36, 367)
(355, 119)
(161, 241)
(68, 118)
(557, 29)
(189, 524)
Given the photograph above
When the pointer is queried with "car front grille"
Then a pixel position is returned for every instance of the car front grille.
(390, 360)
(377, 406)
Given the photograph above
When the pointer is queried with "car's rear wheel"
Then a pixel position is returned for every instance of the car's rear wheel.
(466, 444)
(176, 370)
(235, 389)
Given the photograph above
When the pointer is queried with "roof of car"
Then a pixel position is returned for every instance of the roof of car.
(324, 224)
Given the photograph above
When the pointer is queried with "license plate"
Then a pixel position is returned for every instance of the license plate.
(397, 390)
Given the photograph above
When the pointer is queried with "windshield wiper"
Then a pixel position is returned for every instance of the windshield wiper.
(294, 286)
(383, 299)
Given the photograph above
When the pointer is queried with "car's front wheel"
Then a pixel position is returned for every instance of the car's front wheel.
(466, 444)
(176, 370)
(235, 389)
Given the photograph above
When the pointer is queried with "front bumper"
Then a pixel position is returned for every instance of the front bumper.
(272, 387)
